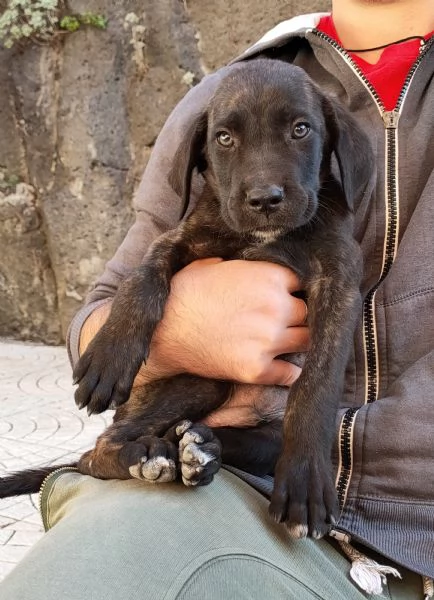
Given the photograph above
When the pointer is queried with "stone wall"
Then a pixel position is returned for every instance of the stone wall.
(78, 120)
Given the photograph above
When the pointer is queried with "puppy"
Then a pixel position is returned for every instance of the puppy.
(264, 147)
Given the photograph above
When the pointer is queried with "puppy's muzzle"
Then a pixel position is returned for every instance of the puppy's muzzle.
(265, 199)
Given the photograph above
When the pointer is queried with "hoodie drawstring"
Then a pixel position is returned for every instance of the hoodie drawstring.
(369, 575)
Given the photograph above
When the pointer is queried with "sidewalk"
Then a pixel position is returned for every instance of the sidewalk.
(39, 425)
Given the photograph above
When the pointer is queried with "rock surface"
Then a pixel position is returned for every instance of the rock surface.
(78, 120)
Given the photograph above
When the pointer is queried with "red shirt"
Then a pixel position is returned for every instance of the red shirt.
(387, 75)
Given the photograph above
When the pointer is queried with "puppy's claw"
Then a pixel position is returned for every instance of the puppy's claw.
(183, 427)
(93, 409)
(317, 535)
(80, 402)
(146, 355)
(276, 515)
(190, 475)
(136, 471)
(190, 437)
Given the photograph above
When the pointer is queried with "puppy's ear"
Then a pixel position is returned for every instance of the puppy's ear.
(189, 155)
(352, 149)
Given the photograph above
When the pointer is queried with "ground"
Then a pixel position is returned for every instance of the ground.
(39, 425)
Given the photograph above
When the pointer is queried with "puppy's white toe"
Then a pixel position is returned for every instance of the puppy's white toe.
(297, 531)
(155, 470)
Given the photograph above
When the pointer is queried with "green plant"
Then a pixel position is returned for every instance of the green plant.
(40, 21)
(69, 23)
(73, 22)
(8, 182)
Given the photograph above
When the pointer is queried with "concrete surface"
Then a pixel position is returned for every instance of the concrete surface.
(39, 425)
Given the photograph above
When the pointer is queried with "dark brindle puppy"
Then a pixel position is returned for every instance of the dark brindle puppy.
(264, 147)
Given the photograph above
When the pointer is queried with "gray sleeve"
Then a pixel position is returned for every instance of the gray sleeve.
(157, 206)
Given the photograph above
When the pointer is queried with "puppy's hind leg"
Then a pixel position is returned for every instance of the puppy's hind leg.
(199, 452)
(126, 450)
(138, 444)
(254, 449)
(148, 458)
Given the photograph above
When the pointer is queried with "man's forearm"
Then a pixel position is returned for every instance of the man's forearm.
(212, 329)
(90, 328)
(93, 324)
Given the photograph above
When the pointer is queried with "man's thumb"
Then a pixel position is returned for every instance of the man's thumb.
(281, 373)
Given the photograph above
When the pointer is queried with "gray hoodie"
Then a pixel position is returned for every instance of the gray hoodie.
(384, 452)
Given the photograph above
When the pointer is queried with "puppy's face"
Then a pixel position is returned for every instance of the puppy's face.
(264, 149)
(265, 143)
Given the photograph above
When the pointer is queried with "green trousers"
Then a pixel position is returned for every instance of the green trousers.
(113, 540)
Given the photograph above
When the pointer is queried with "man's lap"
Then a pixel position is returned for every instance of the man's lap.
(113, 539)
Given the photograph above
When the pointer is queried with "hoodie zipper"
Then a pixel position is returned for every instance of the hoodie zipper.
(390, 120)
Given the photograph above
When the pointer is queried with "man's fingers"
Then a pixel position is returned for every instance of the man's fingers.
(297, 312)
(302, 312)
(280, 373)
(203, 262)
(286, 276)
(293, 339)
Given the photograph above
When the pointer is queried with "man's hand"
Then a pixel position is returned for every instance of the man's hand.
(229, 320)
(225, 320)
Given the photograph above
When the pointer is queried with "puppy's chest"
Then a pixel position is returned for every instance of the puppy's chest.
(210, 237)
(227, 247)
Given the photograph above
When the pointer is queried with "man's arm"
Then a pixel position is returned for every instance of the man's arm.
(220, 323)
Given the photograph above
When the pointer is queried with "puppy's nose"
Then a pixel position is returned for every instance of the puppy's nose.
(264, 199)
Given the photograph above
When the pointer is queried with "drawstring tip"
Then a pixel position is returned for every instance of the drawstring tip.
(428, 588)
(369, 575)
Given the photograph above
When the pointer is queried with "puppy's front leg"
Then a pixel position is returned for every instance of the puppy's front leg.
(304, 495)
(106, 371)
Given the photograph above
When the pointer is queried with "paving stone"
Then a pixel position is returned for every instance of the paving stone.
(23, 526)
(39, 425)
(5, 536)
(5, 568)
(6, 521)
(12, 554)
(25, 537)
(17, 511)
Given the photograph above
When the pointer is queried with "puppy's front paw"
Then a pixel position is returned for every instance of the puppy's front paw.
(304, 497)
(199, 453)
(106, 371)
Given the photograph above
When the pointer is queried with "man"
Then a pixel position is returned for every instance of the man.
(219, 542)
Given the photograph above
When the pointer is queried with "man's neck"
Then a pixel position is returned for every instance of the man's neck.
(371, 23)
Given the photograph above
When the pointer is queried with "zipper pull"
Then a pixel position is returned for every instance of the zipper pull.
(422, 46)
(340, 536)
(390, 119)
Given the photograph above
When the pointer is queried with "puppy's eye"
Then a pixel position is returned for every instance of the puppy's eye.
(224, 139)
(300, 130)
